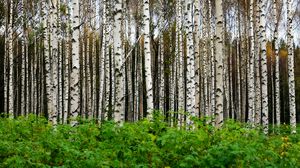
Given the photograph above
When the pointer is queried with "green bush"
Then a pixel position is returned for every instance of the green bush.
(32, 142)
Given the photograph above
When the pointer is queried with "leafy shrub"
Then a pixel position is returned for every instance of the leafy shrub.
(32, 142)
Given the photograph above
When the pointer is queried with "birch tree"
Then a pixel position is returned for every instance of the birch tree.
(219, 63)
(102, 62)
(205, 28)
(190, 63)
(251, 91)
(180, 62)
(11, 61)
(291, 79)
(147, 50)
(23, 77)
(197, 56)
(54, 56)
(257, 67)
(118, 54)
(264, 75)
(211, 63)
(75, 75)
(276, 17)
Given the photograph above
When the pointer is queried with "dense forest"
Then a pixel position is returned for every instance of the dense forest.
(149, 83)
(122, 60)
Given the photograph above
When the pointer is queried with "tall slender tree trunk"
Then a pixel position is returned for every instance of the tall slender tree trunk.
(251, 90)
(75, 94)
(162, 69)
(119, 111)
(48, 82)
(257, 67)
(11, 62)
(212, 66)
(291, 66)
(264, 75)
(54, 57)
(190, 63)
(238, 66)
(66, 84)
(23, 73)
(205, 63)
(277, 77)
(219, 63)
(147, 51)
(102, 62)
(197, 56)
(181, 90)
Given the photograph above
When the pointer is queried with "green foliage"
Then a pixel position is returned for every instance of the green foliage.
(33, 142)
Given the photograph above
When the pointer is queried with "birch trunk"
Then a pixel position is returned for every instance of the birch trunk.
(212, 90)
(162, 74)
(257, 68)
(59, 64)
(88, 78)
(67, 68)
(66, 79)
(277, 77)
(251, 90)
(53, 62)
(102, 63)
(205, 57)
(181, 90)
(147, 50)
(238, 66)
(197, 56)
(74, 92)
(23, 73)
(219, 63)
(47, 61)
(264, 75)
(5, 69)
(291, 66)
(118, 55)
(190, 63)
(11, 62)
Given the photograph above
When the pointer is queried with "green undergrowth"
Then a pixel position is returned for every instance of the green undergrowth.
(32, 142)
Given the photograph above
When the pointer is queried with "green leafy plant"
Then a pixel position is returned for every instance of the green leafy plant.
(32, 142)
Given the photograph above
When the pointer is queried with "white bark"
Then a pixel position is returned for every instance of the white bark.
(162, 74)
(119, 112)
(54, 58)
(47, 61)
(66, 83)
(212, 87)
(277, 77)
(11, 63)
(190, 63)
(67, 69)
(251, 91)
(238, 72)
(74, 94)
(219, 63)
(147, 50)
(257, 68)
(102, 62)
(291, 66)
(23, 80)
(197, 56)
(88, 78)
(205, 57)
(180, 59)
(264, 67)
(59, 65)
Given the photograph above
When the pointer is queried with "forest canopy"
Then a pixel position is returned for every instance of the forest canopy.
(120, 60)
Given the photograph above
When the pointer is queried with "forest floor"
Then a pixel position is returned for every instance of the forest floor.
(33, 142)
